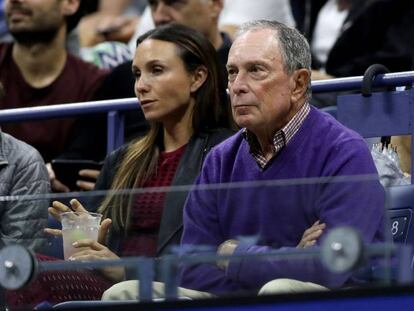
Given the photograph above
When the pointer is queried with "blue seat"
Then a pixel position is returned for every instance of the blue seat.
(400, 203)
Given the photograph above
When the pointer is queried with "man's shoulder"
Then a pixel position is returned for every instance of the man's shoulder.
(335, 144)
(17, 151)
(84, 76)
(333, 131)
(86, 68)
(229, 148)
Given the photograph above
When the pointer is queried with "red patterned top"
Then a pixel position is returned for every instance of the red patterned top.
(58, 286)
(148, 207)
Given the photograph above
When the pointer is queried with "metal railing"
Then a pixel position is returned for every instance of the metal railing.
(115, 108)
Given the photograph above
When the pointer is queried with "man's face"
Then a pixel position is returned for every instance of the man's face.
(198, 14)
(31, 17)
(263, 96)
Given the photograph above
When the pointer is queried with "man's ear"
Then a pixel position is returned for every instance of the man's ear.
(70, 7)
(199, 77)
(300, 82)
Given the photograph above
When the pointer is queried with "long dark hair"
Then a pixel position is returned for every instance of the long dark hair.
(210, 112)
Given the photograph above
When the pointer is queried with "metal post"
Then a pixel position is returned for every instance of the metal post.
(169, 276)
(145, 277)
(115, 130)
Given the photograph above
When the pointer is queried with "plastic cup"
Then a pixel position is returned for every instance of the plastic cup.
(78, 226)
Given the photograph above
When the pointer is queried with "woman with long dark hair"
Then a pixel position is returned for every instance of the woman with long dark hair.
(183, 97)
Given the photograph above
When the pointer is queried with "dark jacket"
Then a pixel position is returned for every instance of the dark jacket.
(188, 169)
(375, 31)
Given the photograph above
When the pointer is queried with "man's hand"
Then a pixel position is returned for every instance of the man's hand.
(99, 27)
(90, 174)
(311, 235)
(56, 185)
(226, 248)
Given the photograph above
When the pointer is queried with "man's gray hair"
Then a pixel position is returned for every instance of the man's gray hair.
(294, 47)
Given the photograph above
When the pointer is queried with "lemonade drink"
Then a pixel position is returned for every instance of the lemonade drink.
(78, 226)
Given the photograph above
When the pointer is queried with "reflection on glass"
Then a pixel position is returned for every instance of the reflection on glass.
(258, 257)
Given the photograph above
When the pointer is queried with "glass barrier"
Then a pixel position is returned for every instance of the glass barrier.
(240, 239)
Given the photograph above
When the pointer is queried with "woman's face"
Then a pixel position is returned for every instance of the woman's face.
(162, 84)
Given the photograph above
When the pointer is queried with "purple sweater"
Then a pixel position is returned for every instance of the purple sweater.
(278, 215)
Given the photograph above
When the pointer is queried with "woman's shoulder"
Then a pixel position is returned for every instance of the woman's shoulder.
(118, 153)
(216, 136)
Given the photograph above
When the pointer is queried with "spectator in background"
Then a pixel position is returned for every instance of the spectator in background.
(113, 21)
(347, 36)
(103, 34)
(36, 70)
(237, 12)
(22, 172)
(234, 13)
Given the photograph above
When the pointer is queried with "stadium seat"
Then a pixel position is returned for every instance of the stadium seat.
(400, 203)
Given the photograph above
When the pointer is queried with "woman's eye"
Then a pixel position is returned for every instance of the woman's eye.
(157, 70)
(137, 74)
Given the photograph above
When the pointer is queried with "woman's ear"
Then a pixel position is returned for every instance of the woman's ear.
(198, 78)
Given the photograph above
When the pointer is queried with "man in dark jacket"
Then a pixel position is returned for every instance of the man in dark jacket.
(376, 31)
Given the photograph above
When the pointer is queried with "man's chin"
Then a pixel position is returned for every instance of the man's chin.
(244, 121)
(28, 37)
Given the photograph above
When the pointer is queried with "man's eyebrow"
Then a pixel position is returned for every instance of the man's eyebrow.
(248, 63)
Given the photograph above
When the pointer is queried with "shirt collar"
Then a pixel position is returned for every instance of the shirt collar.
(280, 139)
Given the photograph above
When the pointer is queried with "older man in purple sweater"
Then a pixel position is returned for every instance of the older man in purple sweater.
(283, 138)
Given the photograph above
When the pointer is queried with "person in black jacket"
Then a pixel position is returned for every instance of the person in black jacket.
(182, 94)
(372, 32)
(375, 31)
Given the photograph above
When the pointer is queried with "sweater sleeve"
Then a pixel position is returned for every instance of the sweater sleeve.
(201, 227)
(358, 203)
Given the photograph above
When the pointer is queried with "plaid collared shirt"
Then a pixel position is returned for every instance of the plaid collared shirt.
(280, 139)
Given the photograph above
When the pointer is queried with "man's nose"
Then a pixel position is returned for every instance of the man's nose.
(161, 15)
(238, 84)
